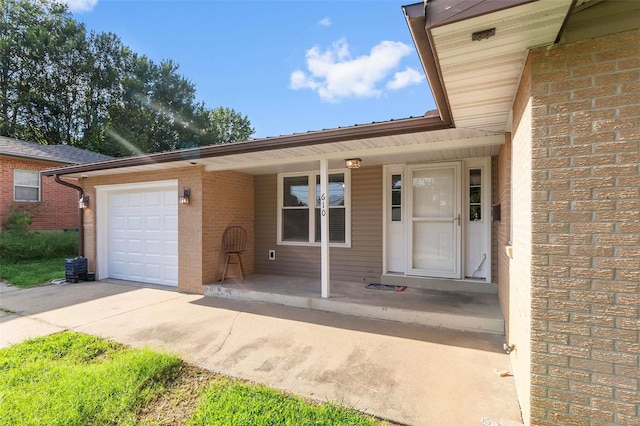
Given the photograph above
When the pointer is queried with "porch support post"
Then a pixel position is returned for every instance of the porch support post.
(324, 228)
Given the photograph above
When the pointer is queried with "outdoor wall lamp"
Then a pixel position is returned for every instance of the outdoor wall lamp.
(353, 163)
(185, 197)
(83, 202)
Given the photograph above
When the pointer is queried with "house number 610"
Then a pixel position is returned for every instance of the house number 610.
(324, 212)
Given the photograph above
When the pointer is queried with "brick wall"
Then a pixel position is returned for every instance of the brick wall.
(586, 232)
(520, 264)
(229, 200)
(58, 206)
(218, 199)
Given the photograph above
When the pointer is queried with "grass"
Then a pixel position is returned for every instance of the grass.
(27, 273)
(75, 379)
(228, 402)
(33, 258)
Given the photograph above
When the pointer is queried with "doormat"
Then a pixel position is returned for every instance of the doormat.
(387, 287)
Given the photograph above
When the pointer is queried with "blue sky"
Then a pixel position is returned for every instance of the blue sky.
(290, 66)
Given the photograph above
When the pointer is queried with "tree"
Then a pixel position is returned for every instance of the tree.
(60, 84)
(156, 112)
(225, 125)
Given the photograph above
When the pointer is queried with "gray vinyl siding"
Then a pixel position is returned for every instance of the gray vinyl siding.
(360, 263)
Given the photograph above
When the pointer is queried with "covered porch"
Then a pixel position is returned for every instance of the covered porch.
(465, 306)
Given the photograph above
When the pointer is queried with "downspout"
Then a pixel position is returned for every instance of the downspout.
(80, 213)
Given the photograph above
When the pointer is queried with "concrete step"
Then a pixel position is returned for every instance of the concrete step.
(492, 324)
(441, 284)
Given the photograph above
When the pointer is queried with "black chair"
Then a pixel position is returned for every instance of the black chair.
(234, 243)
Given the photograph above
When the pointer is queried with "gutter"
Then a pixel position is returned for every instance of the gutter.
(80, 213)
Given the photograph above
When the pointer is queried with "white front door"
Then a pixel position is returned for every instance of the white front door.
(433, 215)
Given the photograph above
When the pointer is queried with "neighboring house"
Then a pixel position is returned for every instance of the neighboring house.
(53, 206)
(538, 128)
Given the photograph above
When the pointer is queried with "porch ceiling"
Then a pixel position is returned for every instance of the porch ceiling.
(438, 145)
(480, 77)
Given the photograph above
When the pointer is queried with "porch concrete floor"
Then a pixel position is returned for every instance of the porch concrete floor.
(406, 373)
(460, 310)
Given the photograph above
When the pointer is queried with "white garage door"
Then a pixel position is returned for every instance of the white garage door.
(143, 235)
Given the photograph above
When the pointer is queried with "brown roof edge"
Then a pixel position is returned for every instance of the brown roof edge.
(386, 128)
(566, 21)
(415, 14)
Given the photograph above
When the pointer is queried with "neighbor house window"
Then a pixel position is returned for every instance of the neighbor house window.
(26, 185)
(299, 201)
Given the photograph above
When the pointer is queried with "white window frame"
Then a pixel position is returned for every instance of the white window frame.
(27, 186)
(311, 178)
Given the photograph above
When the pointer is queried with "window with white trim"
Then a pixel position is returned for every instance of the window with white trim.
(26, 185)
(299, 215)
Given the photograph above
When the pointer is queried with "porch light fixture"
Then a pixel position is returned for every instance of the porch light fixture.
(185, 197)
(353, 163)
(83, 202)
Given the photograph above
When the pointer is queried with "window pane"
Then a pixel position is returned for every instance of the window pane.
(336, 225)
(295, 225)
(336, 190)
(396, 214)
(396, 181)
(396, 198)
(26, 178)
(296, 191)
(475, 213)
(26, 194)
(474, 194)
(433, 192)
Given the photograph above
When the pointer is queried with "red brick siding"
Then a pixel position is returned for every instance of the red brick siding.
(58, 206)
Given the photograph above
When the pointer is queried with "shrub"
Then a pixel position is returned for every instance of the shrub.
(18, 220)
(17, 245)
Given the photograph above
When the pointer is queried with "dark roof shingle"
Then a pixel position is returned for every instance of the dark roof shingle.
(55, 153)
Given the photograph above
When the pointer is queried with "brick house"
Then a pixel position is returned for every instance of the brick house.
(527, 178)
(53, 206)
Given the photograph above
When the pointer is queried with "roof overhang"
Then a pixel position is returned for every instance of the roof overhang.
(474, 52)
(402, 141)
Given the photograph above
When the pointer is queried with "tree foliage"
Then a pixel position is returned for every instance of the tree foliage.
(62, 84)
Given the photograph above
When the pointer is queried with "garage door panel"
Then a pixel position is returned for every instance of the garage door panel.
(143, 236)
(170, 247)
(153, 247)
(153, 223)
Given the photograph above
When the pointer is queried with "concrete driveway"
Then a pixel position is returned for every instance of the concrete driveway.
(405, 373)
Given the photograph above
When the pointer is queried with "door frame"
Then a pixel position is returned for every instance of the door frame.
(483, 163)
(387, 171)
(466, 164)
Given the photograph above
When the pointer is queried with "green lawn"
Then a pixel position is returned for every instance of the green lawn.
(26, 273)
(228, 402)
(75, 379)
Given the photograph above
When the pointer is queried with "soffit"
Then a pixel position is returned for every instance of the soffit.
(435, 145)
(481, 78)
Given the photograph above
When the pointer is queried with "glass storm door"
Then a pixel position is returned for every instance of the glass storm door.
(434, 235)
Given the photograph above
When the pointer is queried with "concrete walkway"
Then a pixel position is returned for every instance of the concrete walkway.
(405, 373)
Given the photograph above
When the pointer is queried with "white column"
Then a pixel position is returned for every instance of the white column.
(324, 228)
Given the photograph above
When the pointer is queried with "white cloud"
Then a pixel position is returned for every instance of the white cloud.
(405, 78)
(325, 22)
(79, 5)
(334, 74)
